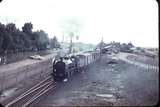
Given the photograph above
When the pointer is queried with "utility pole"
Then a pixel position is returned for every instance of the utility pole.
(71, 42)
(70, 47)
(62, 42)
(101, 46)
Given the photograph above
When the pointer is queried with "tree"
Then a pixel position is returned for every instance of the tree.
(14, 40)
(2, 28)
(54, 43)
(2, 31)
(41, 40)
(27, 28)
(22, 41)
(10, 28)
(7, 42)
(1, 42)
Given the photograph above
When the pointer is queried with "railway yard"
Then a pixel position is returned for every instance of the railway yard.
(79, 53)
(121, 79)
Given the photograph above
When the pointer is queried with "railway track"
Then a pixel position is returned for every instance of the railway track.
(33, 93)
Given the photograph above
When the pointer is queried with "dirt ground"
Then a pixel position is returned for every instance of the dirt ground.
(19, 75)
(144, 59)
(9, 68)
(107, 84)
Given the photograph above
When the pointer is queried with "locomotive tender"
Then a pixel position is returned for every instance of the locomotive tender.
(76, 62)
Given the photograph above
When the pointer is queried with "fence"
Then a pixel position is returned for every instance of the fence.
(136, 62)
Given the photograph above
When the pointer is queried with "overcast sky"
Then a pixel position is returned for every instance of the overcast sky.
(133, 21)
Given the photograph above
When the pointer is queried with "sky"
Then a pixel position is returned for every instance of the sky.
(122, 21)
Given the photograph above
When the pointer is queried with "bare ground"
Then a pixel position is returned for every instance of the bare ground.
(19, 76)
(107, 84)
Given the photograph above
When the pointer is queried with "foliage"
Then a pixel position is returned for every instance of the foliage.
(54, 43)
(27, 28)
(13, 40)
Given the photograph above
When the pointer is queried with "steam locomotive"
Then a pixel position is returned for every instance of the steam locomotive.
(77, 62)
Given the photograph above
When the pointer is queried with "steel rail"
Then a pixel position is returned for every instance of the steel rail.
(31, 90)
(40, 93)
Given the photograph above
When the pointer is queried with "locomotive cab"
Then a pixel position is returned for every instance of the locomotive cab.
(60, 73)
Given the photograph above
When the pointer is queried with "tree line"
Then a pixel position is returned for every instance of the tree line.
(13, 40)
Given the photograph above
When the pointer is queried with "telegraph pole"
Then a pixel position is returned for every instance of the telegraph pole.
(71, 42)
(101, 46)
(70, 47)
